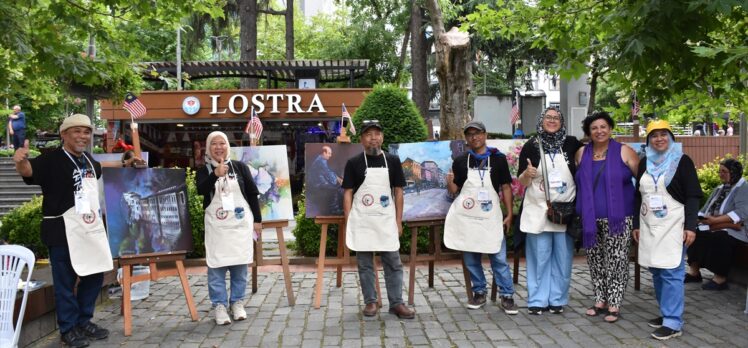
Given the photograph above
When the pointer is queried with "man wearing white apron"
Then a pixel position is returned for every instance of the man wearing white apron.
(373, 206)
(232, 212)
(72, 227)
(475, 224)
(668, 195)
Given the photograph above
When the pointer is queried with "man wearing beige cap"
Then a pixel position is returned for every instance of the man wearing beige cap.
(72, 227)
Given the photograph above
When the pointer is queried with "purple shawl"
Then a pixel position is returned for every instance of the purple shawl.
(585, 194)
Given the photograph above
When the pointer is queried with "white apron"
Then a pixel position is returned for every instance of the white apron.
(372, 225)
(228, 233)
(85, 233)
(660, 230)
(563, 189)
(474, 222)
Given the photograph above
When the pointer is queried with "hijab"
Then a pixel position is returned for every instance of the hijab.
(665, 162)
(735, 168)
(552, 142)
(211, 136)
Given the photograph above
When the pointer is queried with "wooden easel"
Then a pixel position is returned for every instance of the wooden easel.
(435, 251)
(283, 260)
(343, 258)
(127, 261)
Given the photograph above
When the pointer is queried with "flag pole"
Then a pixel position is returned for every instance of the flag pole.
(343, 138)
(135, 137)
(252, 137)
(635, 119)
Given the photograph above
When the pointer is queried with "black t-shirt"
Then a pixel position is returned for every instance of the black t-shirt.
(355, 170)
(499, 170)
(54, 172)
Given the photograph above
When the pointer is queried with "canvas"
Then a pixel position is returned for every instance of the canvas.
(269, 168)
(511, 148)
(147, 210)
(115, 159)
(324, 175)
(425, 166)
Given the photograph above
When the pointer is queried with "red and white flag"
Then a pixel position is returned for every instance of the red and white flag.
(347, 116)
(254, 126)
(635, 106)
(133, 106)
(514, 117)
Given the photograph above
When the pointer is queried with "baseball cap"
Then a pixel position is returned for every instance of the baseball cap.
(474, 124)
(369, 124)
(76, 120)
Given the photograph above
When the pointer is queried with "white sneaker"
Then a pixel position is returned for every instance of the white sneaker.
(237, 309)
(222, 317)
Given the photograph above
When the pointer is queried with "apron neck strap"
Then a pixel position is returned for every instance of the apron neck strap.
(75, 163)
(488, 166)
(366, 162)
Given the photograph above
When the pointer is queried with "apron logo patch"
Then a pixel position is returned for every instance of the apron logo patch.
(239, 213)
(661, 213)
(486, 205)
(645, 209)
(89, 218)
(468, 203)
(221, 214)
(367, 200)
(384, 200)
(562, 189)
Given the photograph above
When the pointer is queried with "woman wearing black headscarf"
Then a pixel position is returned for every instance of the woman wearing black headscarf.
(722, 227)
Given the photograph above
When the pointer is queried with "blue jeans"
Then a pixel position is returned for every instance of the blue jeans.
(73, 307)
(549, 256)
(393, 276)
(670, 294)
(502, 275)
(217, 284)
(18, 137)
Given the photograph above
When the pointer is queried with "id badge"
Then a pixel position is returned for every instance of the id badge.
(655, 202)
(227, 201)
(483, 195)
(554, 179)
(82, 204)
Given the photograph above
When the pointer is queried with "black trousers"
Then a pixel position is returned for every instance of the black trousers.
(714, 251)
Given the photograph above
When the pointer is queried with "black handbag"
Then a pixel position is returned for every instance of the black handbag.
(574, 227)
(558, 212)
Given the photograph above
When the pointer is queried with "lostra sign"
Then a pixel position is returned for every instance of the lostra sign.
(237, 104)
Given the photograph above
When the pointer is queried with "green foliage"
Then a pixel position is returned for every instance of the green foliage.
(197, 216)
(709, 175)
(9, 152)
(398, 115)
(23, 226)
(308, 233)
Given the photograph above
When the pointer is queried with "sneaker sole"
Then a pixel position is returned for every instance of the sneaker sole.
(227, 322)
(469, 306)
(654, 326)
(239, 318)
(662, 338)
(511, 311)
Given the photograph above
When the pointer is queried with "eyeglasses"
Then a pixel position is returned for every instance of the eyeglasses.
(473, 134)
(552, 118)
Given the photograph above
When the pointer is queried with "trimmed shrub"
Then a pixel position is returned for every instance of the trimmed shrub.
(197, 216)
(396, 113)
(709, 175)
(308, 234)
(23, 226)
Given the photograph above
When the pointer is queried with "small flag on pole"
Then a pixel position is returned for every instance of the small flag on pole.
(134, 106)
(347, 116)
(515, 111)
(635, 106)
(254, 126)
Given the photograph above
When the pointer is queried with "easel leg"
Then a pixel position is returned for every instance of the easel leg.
(258, 260)
(187, 291)
(284, 263)
(435, 250)
(320, 268)
(341, 247)
(126, 304)
(516, 265)
(412, 275)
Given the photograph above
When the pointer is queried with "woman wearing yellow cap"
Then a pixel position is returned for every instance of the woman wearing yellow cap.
(668, 195)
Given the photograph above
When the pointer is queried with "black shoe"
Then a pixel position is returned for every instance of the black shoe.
(712, 285)
(556, 309)
(477, 301)
(692, 279)
(655, 323)
(664, 333)
(74, 338)
(535, 310)
(94, 331)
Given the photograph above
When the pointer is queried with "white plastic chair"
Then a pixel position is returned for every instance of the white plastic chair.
(13, 258)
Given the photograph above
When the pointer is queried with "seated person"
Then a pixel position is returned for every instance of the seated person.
(721, 228)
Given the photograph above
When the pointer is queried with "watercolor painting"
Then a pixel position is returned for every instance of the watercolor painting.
(269, 168)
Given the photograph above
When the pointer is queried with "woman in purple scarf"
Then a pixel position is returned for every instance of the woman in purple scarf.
(605, 201)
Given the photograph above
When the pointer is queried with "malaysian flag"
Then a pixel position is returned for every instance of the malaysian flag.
(133, 106)
(347, 116)
(514, 117)
(634, 106)
(254, 126)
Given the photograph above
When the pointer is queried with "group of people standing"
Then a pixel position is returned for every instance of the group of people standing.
(618, 196)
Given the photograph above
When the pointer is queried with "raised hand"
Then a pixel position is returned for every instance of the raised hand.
(221, 169)
(22, 153)
(531, 171)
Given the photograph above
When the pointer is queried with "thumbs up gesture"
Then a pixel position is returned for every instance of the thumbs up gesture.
(221, 169)
(531, 171)
(22, 153)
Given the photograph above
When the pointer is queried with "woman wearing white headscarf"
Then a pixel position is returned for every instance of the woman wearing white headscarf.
(667, 195)
(232, 212)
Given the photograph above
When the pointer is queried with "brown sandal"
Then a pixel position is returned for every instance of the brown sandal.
(615, 316)
(598, 311)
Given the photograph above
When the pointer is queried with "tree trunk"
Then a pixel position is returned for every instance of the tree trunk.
(289, 31)
(248, 37)
(419, 60)
(403, 51)
(594, 74)
(453, 67)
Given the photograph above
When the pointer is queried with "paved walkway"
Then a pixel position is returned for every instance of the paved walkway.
(712, 318)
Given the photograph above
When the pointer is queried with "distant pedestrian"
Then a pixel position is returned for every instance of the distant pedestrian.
(17, 126)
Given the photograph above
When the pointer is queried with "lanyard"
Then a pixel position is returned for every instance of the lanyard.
(230, 175)
(481, 168)
(75, 163)
(656, 179)
(552, 155)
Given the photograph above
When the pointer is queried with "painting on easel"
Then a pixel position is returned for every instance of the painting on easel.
(323, 175)
(147, 210)
(269, 168)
